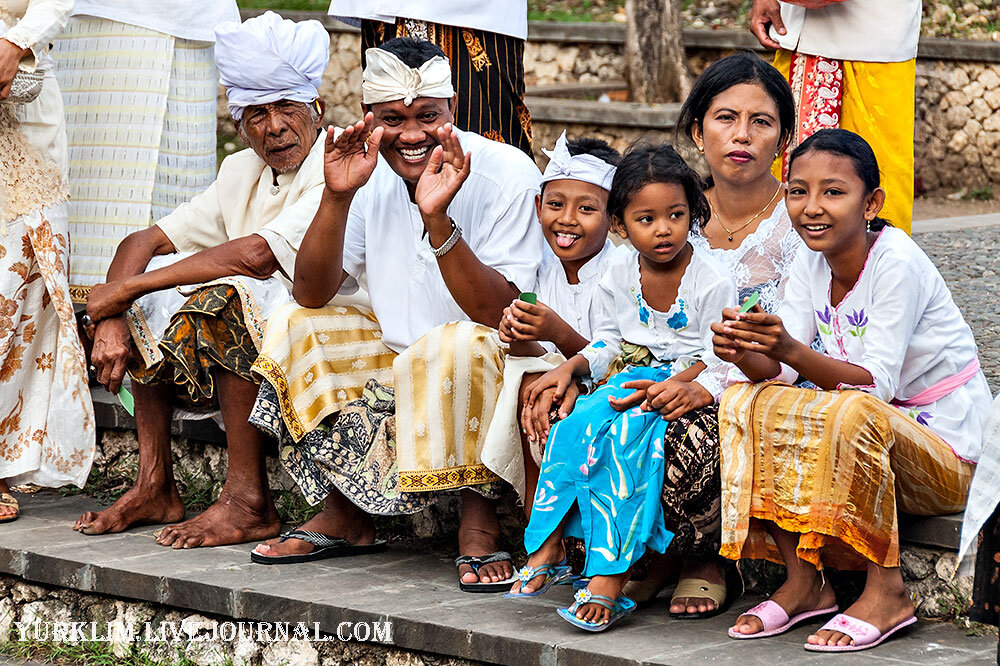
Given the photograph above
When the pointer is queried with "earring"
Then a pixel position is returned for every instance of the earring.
(868, 226)
(701, 149)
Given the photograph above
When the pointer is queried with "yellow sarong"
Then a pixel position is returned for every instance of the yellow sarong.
(877, 101)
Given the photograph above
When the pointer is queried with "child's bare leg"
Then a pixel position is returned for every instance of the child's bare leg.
(803, 590)
(551, 551)
(531, 470)
(608, 586)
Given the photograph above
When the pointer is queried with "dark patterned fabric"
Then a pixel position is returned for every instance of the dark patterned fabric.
(207, 332)
(353, 452)
(487, 72)
(986, 586)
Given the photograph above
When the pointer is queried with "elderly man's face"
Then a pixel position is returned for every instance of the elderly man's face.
(410, 132)
(281, 133)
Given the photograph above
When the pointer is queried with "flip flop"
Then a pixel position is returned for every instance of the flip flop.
(477, 562)
(325, 547)
(776, 620)
(866, 636)
(6, 499)
(702, 589)
(554, 575)
(619, 608)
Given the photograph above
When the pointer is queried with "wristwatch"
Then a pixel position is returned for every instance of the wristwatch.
(456, 235)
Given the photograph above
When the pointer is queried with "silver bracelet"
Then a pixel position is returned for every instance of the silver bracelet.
(456, 235)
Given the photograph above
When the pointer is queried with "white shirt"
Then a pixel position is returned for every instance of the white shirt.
(762, 261)
(385, 242)
(507, 17)
(862, 30)
(576, 304)
(187, 19)
(680, 336)
(240, 203)
(899, 323)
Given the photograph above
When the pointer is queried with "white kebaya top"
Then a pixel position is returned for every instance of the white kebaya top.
(862, 30)
(187, 19)
(681, 336)
(386, 244)
(507, 17)
(577, 304)
(762, 261)
(899, 323)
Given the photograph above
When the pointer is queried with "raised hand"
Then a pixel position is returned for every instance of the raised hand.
(447, 169)
(350, 158)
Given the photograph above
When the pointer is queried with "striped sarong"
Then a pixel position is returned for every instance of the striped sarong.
(833, 466)
(141, 123)
(487, 70)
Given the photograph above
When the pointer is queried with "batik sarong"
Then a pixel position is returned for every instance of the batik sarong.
(141, 123)
(487, 71)
(835, 467)
(873, 99)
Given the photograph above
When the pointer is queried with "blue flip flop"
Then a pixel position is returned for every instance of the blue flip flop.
(555, 574)
(619, 608)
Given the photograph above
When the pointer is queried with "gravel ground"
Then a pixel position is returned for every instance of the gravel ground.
(969, 260)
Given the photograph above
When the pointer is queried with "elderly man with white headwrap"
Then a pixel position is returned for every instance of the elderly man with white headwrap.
(439, 224)
(185, 301)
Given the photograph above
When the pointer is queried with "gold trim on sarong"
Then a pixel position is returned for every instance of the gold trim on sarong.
(445, 479)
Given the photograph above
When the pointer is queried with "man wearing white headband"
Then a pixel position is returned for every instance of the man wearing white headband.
(234, 247)
(439, 224)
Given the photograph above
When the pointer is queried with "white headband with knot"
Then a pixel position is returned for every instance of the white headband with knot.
(588, 168)
(387, 78)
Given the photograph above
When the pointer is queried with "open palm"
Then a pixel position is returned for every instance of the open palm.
(446, 170)
(350, 157)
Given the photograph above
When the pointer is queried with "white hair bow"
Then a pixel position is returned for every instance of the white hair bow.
(588, 168)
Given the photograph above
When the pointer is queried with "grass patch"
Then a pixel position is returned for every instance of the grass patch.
(984, 193)
(84, 653)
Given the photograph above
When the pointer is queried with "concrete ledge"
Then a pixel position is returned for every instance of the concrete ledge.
(109, 413)
(620, 114)
(415, 591)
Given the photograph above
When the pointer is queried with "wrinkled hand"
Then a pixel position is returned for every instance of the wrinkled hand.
(673, 399)
(559, 382)
(350, 159)
(635, 399)
(725, 346)
(760, 332)
(527, 321)
(536, 419)
(763, 14)
(107, 300)
(10, 56)
(446, 170)
(111, 353)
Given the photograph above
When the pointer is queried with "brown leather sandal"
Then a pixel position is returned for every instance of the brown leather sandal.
(8, 500)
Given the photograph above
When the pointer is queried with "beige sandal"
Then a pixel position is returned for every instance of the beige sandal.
(699, 588)
(6, 499)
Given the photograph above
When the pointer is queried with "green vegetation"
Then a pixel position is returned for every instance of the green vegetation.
(984, 193)
(85, 653)
(292, 5)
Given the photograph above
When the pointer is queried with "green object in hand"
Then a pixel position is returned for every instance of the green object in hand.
(750, 302)
(128, 402)
(528, 297)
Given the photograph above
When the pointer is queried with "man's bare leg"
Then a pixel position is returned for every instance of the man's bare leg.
(339, 518)
(479, 535)
(244, 511)
(153, 498)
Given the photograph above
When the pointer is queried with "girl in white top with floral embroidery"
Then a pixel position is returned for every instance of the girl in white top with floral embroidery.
(824, 472)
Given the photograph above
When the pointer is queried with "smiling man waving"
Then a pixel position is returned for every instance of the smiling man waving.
(438, 224)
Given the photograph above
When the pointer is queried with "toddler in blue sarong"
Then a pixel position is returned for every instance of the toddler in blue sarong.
(602, 471)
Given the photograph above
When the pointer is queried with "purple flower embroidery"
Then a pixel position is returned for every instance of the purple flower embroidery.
(922, 418)
(824, 317)
(859, 322)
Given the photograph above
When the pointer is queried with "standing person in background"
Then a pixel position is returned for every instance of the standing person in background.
(484, 42)
(46, 416)
(852, 65)
(140, 87)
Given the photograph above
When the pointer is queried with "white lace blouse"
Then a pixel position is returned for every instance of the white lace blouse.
(763, 259)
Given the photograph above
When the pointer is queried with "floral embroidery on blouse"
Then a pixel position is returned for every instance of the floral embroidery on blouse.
(679, 320)
(859, 322)
(643, 310)
(824, 321)
(923, 418)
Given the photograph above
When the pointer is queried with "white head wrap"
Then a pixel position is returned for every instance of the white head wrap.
(588, 168)
(387, 78)
(267, 58)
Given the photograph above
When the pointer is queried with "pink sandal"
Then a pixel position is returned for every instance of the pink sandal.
(865, 635)
(776, 620)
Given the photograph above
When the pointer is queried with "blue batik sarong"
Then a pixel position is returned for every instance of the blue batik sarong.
(603, 469)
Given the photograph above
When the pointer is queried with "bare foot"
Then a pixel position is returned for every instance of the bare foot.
(478, 543)
(805, 592)
(139, 506)
(551, 552)
(711, 570)
(884, 605)
(230, 520)
(357, 528)
(608, 586)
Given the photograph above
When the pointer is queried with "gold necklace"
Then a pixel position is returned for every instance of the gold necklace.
(747, 223)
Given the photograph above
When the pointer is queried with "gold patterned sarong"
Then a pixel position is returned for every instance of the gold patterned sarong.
(834, 467)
